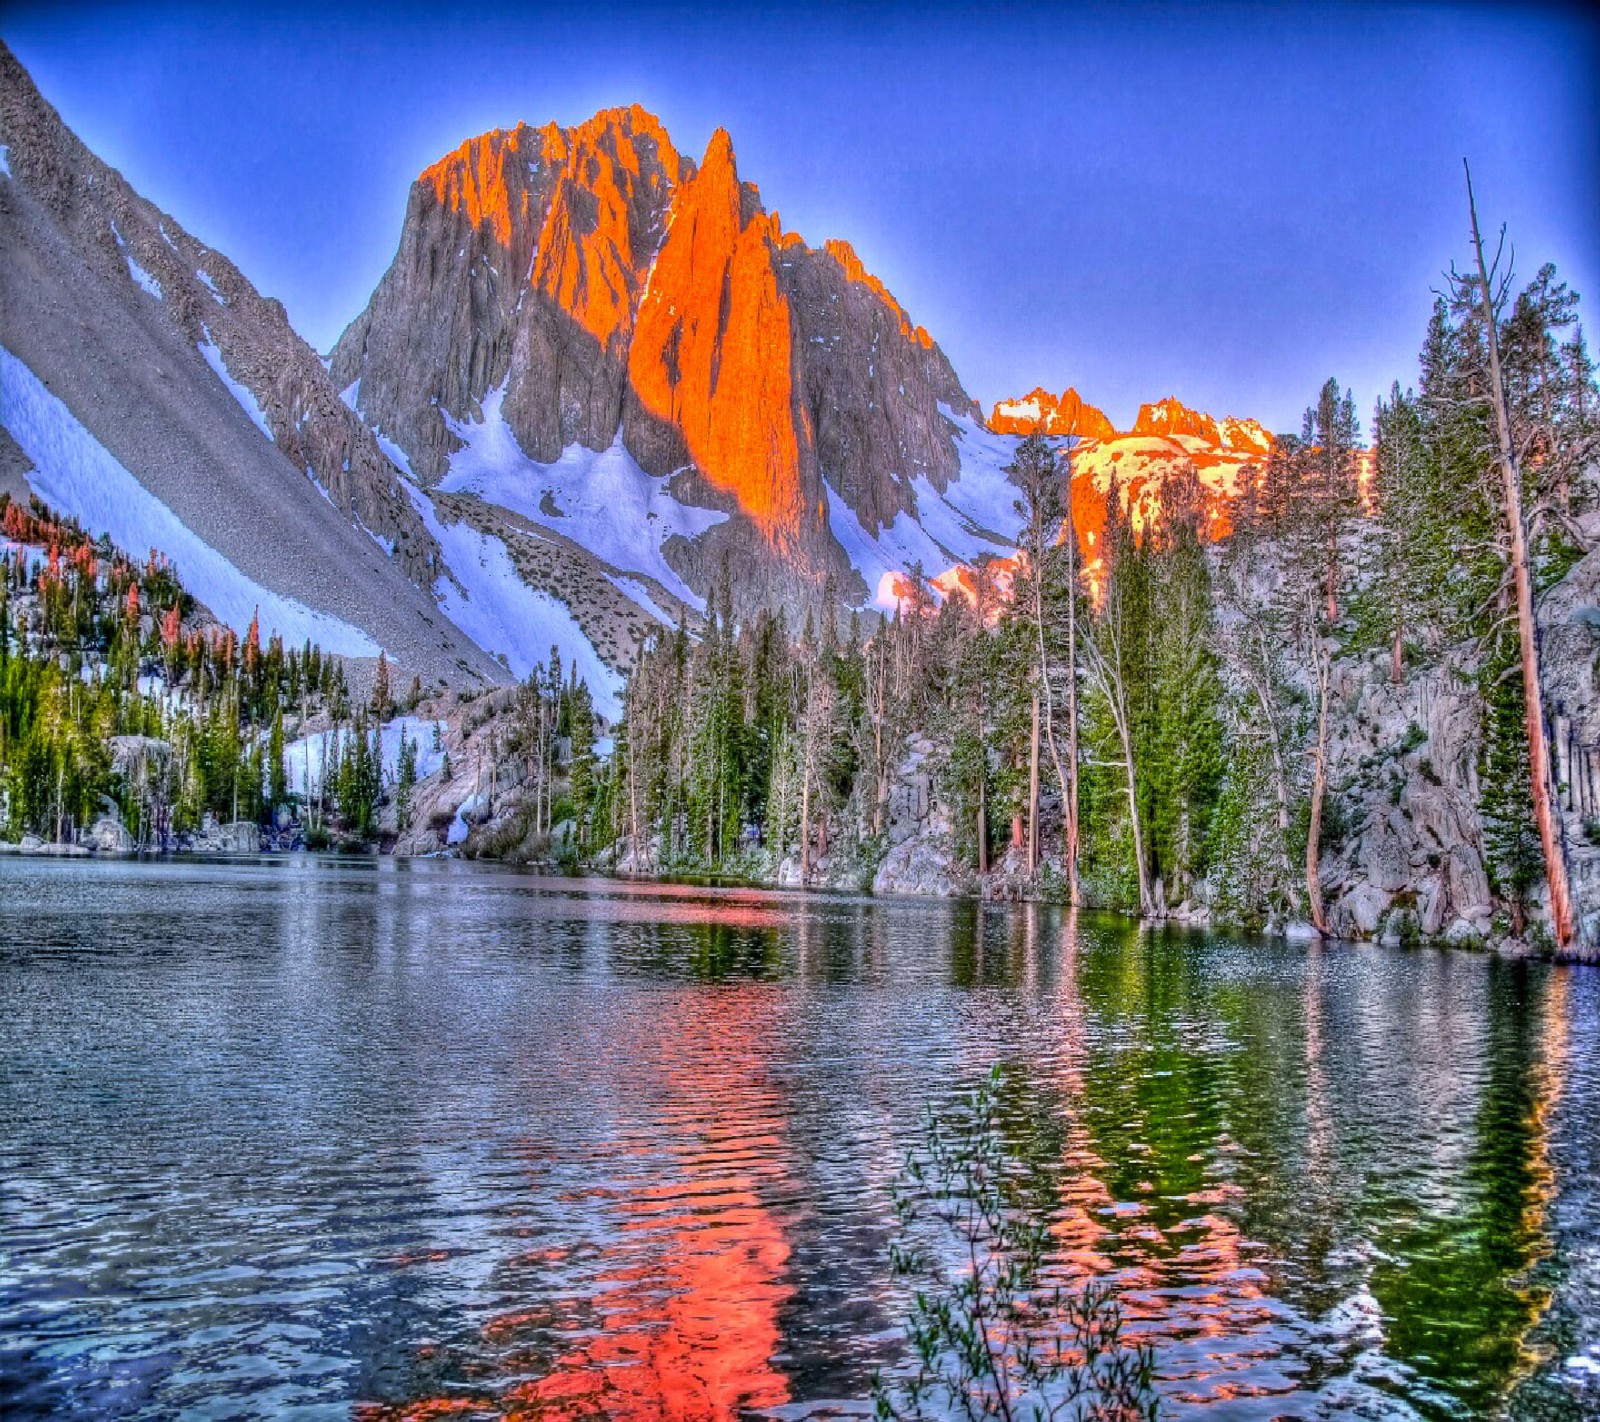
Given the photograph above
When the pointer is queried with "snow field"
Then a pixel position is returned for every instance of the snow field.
(602, 498)
(485, 596)
(976, 514)
(76, 475)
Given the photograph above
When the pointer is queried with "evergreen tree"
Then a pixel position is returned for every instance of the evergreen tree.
(405, 781)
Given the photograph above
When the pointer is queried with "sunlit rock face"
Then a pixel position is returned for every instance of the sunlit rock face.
(1047, 414)
(1166, 436)
(605, 281)
(712, 357)
(521, 261)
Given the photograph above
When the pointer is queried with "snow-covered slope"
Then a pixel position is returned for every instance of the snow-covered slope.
(484, 594)
(975, 516)
(601, 499)
(74, 474)
(155, 394)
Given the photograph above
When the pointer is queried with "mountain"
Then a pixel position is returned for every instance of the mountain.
(566, 297)
(1166, 435)
(595, 374)
(148, 389)
(1043, 412)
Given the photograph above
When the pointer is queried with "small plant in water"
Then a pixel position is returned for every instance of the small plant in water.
(991, 1339)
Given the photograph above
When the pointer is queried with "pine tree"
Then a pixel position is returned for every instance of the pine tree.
(405, 781)
(1049, 586)
(382, 704)
(1181, 761)
(277, 776)
(1117, 670)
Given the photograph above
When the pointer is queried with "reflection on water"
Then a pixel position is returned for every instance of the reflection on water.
(400, 1141)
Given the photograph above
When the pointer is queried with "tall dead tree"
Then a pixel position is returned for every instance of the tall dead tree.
(1562, 919)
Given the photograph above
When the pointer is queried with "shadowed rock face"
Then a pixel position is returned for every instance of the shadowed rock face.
(521, 261)
(607, 282)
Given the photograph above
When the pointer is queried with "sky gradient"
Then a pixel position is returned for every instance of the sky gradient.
(1226, 205)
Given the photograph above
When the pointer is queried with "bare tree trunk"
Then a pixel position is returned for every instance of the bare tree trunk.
(1069, 784)
(1280, 779)
(1033, 791)
(1332, 577)
(1110, 685)
(805, 822)
(1074, 894)
(1562, 920)
(633, 798)
(1146, 904)
(881, 796)
(1319, 787)
(983, 830)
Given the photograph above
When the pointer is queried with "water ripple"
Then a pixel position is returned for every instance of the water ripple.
(405, 1141)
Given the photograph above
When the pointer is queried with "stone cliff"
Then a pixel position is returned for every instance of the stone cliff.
(603, 282)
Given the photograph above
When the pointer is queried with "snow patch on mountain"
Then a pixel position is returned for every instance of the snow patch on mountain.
(305, 759)
(205, 281)
(241, 393)
(606, 502)
(5, 160)
(1020, 409)
(982, 495)
(139, 275)
(143, 278)
(74, 473)
(485, 596)
(975, 515)
(633, 589)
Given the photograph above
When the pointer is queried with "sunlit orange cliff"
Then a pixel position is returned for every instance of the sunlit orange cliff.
(600, 283)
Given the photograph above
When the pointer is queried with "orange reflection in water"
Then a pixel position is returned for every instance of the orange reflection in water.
(673, 1303)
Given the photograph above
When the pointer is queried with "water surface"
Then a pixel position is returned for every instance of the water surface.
(387, 1139)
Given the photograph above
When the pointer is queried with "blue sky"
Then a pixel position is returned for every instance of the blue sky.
(1223, 204)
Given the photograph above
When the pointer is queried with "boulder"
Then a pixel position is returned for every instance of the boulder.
(1359, 912)
(922, 866)
(108, 835)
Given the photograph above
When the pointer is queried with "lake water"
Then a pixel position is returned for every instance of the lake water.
(390, 1140)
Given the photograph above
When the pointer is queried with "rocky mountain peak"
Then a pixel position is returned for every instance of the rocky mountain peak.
(711, 358)
(595, 282)
(1068, 414)
(1172, 417)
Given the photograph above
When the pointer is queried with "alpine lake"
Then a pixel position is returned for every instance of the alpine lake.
(376, 1139)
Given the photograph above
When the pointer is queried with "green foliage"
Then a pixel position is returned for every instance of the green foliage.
(94, 646)
(405, 781)
(991, 1337)
(1515, 859)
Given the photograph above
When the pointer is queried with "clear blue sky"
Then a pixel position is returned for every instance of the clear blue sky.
(1226, 205)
